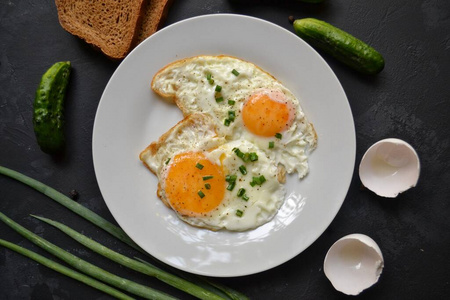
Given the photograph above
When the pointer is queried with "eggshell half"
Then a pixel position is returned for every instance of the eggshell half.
(353, 263)
(389, 167)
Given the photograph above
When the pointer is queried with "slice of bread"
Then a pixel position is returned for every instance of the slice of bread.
(155, 13)
(111, 26)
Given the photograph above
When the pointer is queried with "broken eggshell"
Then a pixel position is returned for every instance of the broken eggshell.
(389, 167)
(353, 263)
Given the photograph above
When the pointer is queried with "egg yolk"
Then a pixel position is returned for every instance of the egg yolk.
(265, 116)
(194, 184)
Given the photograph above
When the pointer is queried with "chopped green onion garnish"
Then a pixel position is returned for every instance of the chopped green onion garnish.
(207, 177)
(211, 81)
(278, 135)
(199, 166)
(253, 156)
(207, 186)
(208, 77)
(245, 197)
(218, 88)
(230, 178)
(231, 115)
(243, 169)
(239, 213)
(227, 122)
(219, 99)
(271, 145)
(239, 153)
(231, 186)
(167, 161)
(200, 193)
(258, 180)
(231, 102)
(246, 157)
(235, 73)
(241, 192)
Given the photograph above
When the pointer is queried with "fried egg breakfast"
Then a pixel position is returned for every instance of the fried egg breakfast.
(223, 166)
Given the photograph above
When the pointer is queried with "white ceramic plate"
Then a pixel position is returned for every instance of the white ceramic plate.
(130, 116)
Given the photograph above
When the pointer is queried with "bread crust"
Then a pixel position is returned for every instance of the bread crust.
(110, 26)
(155, 14)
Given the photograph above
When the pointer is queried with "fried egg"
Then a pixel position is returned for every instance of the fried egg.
(245, 102)
(213, 183)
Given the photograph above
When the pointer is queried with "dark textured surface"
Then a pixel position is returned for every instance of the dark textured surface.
(410, 100)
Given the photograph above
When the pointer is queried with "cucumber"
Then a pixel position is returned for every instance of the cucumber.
(340, 44)
(48, 108)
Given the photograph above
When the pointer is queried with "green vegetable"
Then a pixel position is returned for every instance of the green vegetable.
(66, 271)
(147, 269)
(48, 108)
(114, 230)
(340, 44)
(84, 266)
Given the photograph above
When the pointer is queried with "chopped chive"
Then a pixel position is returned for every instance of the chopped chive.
(207, 177)
(218, 88)
(207, 186)
(208, 77)
(239, 153)
(231, 115)
(200, 193)
(199, 166)
(227, 122)
(239, 213)
(252, 183)
(246, 157)
(278, 135)
(271, 145)
(253, 156)
(235, 73)
(211, 81)
(230, 178)
(245, 197)
(258, 180)
(231, 186)
(241, 192)
(243, 169)
(167, 161)
(231, 102)
(219, 99)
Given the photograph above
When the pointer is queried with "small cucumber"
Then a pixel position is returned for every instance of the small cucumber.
(48, 108)
(340, 44)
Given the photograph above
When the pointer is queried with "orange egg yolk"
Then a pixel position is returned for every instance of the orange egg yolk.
(264, 116)
(194, 185)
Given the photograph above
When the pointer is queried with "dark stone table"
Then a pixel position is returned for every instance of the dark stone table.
(409, 99)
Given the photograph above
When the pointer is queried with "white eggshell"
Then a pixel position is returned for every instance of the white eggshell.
(389, 167)
(353, 264)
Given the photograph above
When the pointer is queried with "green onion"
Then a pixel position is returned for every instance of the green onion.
(199, 166)
(207, 186)
(114, 230)
(65, 271)
(218, 88)
(230, 178)
(271, 144)
(278, 135)
(167, 161)
(245, 197)
(241, 192)
(258, 180)
(201, 194)
(239, 213)
(208, 76)
(219, 99)
(211, 81)
(253, 156)
(84, 266)
(231, 115)
(239, 153)
(243, 170)
(226, 122)
(208, 177)
(235, 73)
(231, 186)
(231, 102)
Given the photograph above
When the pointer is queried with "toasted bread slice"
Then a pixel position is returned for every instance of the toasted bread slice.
(111, 26)
(155, 13)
